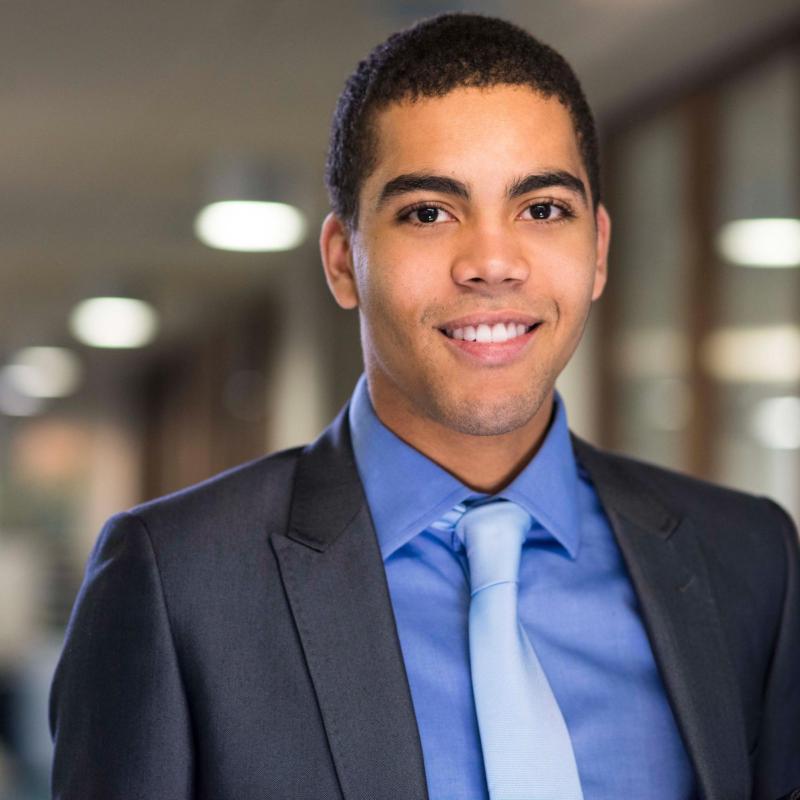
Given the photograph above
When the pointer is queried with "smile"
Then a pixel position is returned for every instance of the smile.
(497, 341)
(485, 333)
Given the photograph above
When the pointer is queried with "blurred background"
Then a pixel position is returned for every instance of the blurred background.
(163, 314)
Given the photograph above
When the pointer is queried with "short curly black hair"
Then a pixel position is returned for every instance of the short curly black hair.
(430, 59)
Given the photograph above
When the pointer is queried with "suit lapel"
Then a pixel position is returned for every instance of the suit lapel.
(335, 581)
(668, 572)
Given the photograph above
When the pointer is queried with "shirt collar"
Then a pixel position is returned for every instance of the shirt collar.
(406, 491)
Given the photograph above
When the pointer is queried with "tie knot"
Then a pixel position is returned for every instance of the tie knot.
(493, 534)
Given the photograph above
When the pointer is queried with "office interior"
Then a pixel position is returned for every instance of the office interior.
(150, 336)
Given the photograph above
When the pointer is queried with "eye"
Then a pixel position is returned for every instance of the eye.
(427, 214)
(541, 210)
(424, 214)
(547, 211)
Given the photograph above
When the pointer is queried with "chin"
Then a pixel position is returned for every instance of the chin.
(484, 416)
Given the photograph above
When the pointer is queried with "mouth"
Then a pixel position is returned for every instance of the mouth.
(489, 332)
(490, 339)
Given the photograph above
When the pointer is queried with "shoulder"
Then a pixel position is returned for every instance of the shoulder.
(732, 526)
(682, 494)
(750, 543)
(246, 498)
(747, 544)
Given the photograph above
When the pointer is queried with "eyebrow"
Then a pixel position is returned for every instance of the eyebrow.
(544, 180)
(422, 181)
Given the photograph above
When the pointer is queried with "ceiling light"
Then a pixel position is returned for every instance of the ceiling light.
(12, 402)
(114, 322)
(758, 354)
(44, 372)
(250, 226)
(761, 242)
(776, 423)
(653, 352)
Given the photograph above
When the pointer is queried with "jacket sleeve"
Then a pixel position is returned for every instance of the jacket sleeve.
(118, 711)
(778, 764)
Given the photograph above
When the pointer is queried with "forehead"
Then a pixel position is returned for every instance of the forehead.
(478, 131)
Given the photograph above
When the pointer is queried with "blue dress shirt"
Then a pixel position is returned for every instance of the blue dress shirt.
(576, 603)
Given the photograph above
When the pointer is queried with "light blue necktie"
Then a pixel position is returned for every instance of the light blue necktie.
(526, 746)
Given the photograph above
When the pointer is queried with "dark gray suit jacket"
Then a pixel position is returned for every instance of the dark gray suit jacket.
(236, 641)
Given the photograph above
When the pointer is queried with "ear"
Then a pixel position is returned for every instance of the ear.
(603, 234)
(337, 261)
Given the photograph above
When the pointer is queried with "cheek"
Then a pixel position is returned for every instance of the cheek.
(398, 288)
(388, 311)
(567, 274)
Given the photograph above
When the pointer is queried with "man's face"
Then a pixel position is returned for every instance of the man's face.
(476, 223)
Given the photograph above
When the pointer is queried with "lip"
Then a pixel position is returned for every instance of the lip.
(491, 354)
(490, 318)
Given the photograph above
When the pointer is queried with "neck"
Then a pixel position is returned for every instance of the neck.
(483, 463)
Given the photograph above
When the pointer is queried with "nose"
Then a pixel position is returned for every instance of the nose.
(489, 257)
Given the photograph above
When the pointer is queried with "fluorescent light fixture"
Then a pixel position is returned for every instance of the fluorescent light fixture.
(250, 226)
(758, 354)
(12, 402)
(761, 242)
(44, 372)
(119, 322)
(776, 423)
(656, 352)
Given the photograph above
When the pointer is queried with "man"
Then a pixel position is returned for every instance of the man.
(303, 626)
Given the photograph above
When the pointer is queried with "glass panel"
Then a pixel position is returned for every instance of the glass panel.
(649, 276)
(757, 444)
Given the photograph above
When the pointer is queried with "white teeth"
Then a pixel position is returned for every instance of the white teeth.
(499, 332)
(483, 333)
(486, 334)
